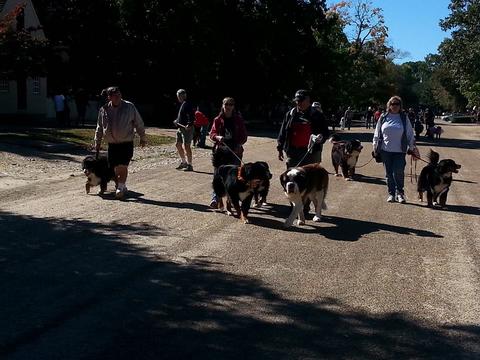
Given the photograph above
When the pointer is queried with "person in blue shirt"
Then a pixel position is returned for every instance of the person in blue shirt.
(393, 139)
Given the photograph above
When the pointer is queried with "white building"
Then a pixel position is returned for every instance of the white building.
(24, 97)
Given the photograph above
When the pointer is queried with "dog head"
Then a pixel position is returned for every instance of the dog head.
(448, 166)
(353, 146)
(254, 173)
(88, 165)
(293, 181)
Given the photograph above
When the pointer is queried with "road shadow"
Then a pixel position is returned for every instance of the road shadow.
(74, 289)
(343, 229)
(461, 209)
(470, 144)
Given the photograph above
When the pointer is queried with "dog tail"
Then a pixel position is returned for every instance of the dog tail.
(434, 157)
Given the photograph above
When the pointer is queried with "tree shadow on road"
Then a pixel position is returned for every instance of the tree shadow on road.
(74, 289)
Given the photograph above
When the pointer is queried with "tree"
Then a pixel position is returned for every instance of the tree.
(21, 54)
(461, 53)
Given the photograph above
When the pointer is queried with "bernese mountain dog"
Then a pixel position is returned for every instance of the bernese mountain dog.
(235, 184)
(435, 179)
(98, 172)
(302, 184)
(345, 155)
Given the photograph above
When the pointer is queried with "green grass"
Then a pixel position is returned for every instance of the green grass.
(79, 137)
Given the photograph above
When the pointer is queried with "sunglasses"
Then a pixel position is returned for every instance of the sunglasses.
(395, 103)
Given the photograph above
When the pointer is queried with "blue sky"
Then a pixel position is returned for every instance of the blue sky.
(413, 25)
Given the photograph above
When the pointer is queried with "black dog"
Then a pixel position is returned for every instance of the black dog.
(98, 172)
(221, 155)
(260, 193)
(234, 184)
(435, 179)
(345, 155)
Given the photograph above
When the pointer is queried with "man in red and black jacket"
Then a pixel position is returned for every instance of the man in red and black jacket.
(294, 136)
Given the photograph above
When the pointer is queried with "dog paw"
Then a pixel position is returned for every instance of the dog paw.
(257, 205)
(435, 203)
(300, 222)
(348, 179)
(245, 221)
(229, 213)
(317, 218)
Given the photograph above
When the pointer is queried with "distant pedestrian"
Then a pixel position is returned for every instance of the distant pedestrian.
(117, 121)
(348, 117)
(59, 102)
(369, 118)
(201, 128)
(184, 122)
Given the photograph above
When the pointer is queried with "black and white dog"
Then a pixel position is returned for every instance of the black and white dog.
(308, 182)
(435, 179)
(235, 184)
(98, 172)
(345, 155)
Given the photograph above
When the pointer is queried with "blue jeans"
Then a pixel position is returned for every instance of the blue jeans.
(394, 163)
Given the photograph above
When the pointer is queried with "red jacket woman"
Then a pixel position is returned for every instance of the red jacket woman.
(229, 128)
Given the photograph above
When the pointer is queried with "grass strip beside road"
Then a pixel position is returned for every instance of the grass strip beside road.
(78, 137)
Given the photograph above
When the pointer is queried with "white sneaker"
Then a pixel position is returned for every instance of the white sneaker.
(390, 198)
(401, 199)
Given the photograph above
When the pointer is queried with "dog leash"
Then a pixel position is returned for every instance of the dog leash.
(311, 142)
(228, 147)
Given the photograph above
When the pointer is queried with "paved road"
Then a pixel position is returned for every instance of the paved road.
(160, 276)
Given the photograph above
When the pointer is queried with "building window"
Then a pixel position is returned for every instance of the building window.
(4, 86)
(36, 86)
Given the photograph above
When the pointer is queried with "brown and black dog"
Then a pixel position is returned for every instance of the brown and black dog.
(302, 184)
(236, 185)
(435, 179)
(345, 155)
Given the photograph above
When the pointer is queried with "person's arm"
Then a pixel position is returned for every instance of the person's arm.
(139, 126)
(376, 134)
(282, 136)
(214, 131)
(410, 135)
(99, 130)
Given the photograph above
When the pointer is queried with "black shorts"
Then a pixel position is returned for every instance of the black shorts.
(120, 154)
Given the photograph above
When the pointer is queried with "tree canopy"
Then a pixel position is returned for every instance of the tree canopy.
(258, 51)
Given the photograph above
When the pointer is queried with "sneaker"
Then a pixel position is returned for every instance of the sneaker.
(401, 198)
(188, 168)
(390, 198)
(214, 204)
(181, 166)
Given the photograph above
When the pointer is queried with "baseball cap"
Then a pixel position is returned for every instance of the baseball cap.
(301, 94)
